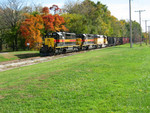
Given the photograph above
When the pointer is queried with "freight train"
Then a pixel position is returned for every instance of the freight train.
(61, 42)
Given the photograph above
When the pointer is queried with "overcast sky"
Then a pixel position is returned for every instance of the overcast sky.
(118, 8)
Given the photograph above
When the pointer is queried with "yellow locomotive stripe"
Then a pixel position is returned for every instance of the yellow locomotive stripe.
(66, 40)
(67, 46)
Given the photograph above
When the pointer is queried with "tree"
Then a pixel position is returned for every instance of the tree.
(31, 30)
(59, 23)
(76, 23)
(96, 18)
(123, 30)
(27, 9)
(37, 25)
(45, 10)
(48, 23)
(1, 30)
(11, 15)
(53, 23)
(136, 29)
(55, 8)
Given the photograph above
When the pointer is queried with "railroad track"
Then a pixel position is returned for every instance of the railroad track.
(35, 60)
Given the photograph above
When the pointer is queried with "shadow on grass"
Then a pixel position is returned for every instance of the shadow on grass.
(27, 55)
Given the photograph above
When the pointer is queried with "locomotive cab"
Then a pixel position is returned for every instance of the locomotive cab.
(48, 45)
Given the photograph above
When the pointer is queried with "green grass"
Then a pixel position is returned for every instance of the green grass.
(17, 55)
(110, 80)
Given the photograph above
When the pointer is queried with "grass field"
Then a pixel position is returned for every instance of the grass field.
(8, 56)
(110, 80)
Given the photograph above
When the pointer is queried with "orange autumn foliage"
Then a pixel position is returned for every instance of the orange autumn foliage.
(34, 26)
(59, 23)
(48, 23)
(30, 29)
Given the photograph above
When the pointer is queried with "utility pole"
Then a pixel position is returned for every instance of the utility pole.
(130, 24)
(146, 25)
(146, 29)
(139, 11)
(149, 33)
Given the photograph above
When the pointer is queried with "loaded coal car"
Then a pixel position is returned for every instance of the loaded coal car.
(111, 41)
(115, 41)
(128, 40)
(118, 40)
(125, 40)
(59, 42)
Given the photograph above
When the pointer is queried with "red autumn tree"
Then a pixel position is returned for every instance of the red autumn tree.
(30, 30)
(54, 23)
(48, 23)
(55, 8)
(45, 10)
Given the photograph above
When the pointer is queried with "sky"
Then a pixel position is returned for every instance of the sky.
(118, 8)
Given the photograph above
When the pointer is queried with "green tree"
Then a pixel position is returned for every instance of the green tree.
(97, 18)
(11, 16)
(76, 23)
(136, 29)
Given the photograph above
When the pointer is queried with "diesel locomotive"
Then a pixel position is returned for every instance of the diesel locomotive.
(61, 42)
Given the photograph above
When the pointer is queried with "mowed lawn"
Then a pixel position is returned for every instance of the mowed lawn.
(110, 80)
(8, 56)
